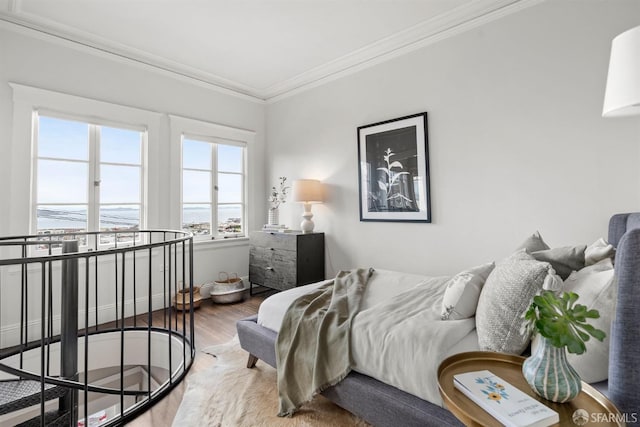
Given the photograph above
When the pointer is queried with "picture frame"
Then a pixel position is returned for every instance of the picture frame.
(393, 170)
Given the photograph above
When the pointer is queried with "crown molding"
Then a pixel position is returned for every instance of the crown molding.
(456, 21)
(51, 31)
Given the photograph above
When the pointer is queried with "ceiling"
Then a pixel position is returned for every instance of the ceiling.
(264, 49)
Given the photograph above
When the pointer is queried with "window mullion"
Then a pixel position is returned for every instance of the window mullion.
(245, 214)
(94, 178)
(214, 190)
(143, 202)
(34, 173)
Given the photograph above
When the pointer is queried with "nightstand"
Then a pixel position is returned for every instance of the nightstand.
(509, 368)
(285, 260)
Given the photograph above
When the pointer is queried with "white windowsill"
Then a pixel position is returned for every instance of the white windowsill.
(221, 242)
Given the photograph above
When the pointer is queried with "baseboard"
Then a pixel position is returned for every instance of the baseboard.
(10, 334)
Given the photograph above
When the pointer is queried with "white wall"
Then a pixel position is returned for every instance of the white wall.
(43, 62)
(63, 67)
(516, 140)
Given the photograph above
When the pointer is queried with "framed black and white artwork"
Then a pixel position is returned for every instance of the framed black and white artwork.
(393, 159)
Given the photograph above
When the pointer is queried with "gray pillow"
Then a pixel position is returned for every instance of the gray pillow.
(564, 260)
(533, 243)
(505, 297)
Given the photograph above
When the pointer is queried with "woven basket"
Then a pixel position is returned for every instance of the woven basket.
(182, 300)
(228, 288)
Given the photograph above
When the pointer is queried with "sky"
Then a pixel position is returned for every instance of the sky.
(64, 181)
(63, 167)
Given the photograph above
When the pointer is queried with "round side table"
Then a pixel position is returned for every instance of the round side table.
(509, 367)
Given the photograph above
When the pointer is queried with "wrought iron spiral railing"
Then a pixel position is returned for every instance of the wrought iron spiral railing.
(88, 332)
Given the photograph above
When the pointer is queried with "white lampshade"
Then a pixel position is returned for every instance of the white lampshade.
(622, 97)
(307, 191)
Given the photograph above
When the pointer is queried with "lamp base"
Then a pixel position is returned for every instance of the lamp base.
(307, 224)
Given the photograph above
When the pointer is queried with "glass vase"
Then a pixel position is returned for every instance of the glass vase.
(549, 374)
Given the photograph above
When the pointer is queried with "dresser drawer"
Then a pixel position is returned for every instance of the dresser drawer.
(274, 240)
(285, 260)
(268, 266)
(268, 254)
(277, 271)
(280, 276)
(268, 257)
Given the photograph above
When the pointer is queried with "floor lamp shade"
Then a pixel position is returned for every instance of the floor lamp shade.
(307, 191)
(622, 96)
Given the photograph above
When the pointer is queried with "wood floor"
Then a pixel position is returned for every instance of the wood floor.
(214, 324)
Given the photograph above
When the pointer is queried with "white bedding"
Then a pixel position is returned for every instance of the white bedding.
(397, 337)
(382, 285)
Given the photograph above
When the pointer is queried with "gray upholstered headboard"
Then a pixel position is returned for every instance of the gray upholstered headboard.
(620, 224)
(624, 353)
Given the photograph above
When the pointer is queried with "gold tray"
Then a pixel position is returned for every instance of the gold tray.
(601, 411)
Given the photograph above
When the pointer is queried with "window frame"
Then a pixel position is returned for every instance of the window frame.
(27, 99)
(94, 174)
(207, 131)
(215, 142)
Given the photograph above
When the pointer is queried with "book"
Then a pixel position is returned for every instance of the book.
(273, 227)
(506, 403)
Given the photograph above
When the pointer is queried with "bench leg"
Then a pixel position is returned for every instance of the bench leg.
(252, 361)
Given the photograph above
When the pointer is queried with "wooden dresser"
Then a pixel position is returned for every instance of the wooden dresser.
(285, 260)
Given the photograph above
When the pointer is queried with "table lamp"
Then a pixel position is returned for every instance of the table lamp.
(622, 96)
(307, 191)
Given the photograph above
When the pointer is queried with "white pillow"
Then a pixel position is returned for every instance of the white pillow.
(597, 251)
(463, 290)
(596, 288)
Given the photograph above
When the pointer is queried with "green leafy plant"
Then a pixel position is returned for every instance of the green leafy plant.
(563, 322)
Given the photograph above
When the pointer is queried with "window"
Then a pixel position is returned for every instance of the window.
(88, 177)
(213, 180)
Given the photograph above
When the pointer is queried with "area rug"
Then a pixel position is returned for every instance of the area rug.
(229, 394)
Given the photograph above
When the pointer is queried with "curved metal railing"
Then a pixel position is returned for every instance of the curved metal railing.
(68, 300)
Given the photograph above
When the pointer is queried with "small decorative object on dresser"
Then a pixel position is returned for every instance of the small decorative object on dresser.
(277, 197)
(560, 323)
(307, 191)
(285, 260)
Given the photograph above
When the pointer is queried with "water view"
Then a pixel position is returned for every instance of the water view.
(60, 219)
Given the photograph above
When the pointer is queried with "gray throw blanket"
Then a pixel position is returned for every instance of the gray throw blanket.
(312, 348)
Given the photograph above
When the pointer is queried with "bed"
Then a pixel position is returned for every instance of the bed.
(382, 404)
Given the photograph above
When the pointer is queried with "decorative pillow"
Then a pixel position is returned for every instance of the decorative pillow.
(533, 243)
(564, 260)
(463, 290)
(506, 295)
(596, 288)
(552, 282)
(597, 251)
